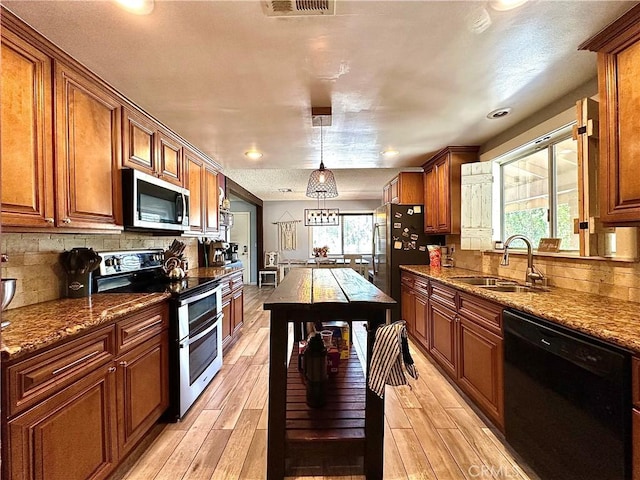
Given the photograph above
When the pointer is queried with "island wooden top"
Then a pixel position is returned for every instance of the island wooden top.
(318, 288)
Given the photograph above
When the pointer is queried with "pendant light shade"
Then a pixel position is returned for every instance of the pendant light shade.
(322, 183)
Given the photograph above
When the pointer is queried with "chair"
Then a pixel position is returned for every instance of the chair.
(357, 263)
(270, 270)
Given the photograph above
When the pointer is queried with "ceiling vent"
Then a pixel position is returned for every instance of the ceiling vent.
(298, 8)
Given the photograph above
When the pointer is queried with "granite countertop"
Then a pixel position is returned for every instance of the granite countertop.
(37, 326)
(615, 321)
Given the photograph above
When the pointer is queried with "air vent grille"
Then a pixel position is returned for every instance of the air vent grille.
(298, 8)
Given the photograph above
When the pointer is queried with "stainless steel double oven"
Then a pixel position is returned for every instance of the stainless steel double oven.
(196, 319)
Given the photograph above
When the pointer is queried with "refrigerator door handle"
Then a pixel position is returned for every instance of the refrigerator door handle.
(376, 235)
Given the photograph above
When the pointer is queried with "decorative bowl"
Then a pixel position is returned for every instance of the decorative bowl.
(7, 291)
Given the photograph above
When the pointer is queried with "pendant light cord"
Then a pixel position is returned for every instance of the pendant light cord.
(321, 147)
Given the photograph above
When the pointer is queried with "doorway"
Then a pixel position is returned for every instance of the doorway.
(241, 234)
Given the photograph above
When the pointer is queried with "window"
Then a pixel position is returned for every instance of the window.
(540, 190)
(354, 235)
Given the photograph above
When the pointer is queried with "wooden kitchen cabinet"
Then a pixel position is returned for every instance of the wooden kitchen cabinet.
(232, 308)
(169, 157)
(441, 196)
(138, 141)
(463, 334)
(26, 148)
(212, 198)
(195, 182)
(87, 154)
(635, 418)
(618, 48)
(76, 409)
(70, 435)
(405, 189)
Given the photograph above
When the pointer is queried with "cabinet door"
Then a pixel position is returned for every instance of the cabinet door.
(386, 194)
(26, 149)
(480, 368)
(237, 310)
(408, 306)
(635, 427)
(170, 166)
(443, 210)
(195, 182)
(71, 435)
(87, 154)
(138, 142)
(226, 320)
(618, 77)
(421, 309)
(430, 200)
(211, 199)
(442, 336)
(394, 187)
(143, 390)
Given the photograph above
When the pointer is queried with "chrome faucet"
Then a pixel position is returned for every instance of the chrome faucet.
(532, 275)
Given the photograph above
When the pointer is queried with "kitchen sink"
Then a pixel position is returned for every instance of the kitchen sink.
(484, 281)
(510, 288)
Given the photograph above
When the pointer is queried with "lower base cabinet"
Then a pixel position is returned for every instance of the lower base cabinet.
(463, 334)
(71, 435)
(90, 413)
(232, 307)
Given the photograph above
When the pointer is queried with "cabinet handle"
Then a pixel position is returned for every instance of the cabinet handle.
(49, 220)
(124, 364)
(151, 325)
(74, 363)
(111, 369)
(66, 220)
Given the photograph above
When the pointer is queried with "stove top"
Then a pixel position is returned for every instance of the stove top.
(140, 271)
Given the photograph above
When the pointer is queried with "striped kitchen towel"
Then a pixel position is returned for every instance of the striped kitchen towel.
(390, 353)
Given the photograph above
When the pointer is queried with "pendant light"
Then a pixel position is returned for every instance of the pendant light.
(322, 183)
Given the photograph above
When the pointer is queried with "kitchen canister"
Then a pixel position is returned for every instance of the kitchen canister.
(435, 255)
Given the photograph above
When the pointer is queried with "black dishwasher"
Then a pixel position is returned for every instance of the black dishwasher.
(567, 401)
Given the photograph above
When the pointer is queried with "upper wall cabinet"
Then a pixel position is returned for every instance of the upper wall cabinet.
(148, 147)
(405, 189)
(442, 189)
(88, 145)
(618, 48)
(26, 147)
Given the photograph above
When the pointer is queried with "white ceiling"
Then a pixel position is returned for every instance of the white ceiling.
(408, 75)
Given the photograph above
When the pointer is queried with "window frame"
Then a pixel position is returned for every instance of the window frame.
(549, 142)
(340, 225)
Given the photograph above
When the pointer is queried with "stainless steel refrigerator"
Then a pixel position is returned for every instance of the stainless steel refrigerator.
(399, 239)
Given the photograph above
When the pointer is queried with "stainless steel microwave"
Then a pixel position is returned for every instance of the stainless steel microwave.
(151, 203)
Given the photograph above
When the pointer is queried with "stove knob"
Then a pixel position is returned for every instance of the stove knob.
(108, 262)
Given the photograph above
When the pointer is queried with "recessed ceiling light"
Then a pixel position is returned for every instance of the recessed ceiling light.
(253, 155)
(139, 7)
(504, 5)
(390, 153)
(499, 113)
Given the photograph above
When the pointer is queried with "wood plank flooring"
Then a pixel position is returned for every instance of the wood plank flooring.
(430, 430)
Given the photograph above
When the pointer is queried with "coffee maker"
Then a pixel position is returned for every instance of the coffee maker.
(231, 253)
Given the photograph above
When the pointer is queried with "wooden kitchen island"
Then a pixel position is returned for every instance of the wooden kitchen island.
(352, 422)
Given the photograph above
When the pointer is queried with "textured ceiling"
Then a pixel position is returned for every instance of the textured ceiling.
(408, 75)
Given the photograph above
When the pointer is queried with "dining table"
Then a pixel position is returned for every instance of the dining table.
(352, 421)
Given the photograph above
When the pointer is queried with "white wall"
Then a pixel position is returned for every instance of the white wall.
(277, 211)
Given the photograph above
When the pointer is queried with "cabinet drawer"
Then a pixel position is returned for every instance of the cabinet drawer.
(142, 326)
(421, 286)
(481, 311)
(226, 286)
(407, 279)
(444, 295)
(42, 375)
(236, 281)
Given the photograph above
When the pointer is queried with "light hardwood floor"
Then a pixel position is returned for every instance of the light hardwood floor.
(430, 430)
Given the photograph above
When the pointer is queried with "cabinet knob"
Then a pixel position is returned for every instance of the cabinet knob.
(123, 364)
(48, 220)
(66, 220)
(111, 369)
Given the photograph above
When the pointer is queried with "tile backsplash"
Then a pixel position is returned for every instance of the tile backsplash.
(601, 277)
(33, 258)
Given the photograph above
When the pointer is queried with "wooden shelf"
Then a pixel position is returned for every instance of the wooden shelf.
(337, 429)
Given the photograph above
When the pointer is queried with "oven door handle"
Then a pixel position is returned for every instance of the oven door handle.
(189, 340)
(213, 291)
